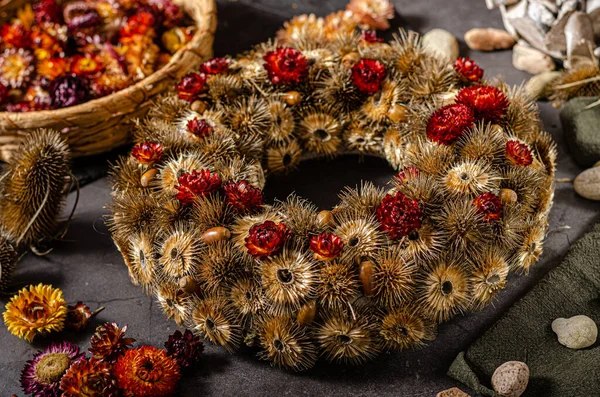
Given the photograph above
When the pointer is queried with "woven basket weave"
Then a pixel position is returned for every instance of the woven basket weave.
(102, 124)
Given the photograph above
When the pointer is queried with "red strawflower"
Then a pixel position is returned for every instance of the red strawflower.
(243, 197)
(197, 184)
(147, 152)
(449, 123)
(285, 65)
(518, 153)
(215, 66)
(489, 205)
(140, 23)
(186, 348)
(86, 65)
(109, 342)
(467, 69)
(408, 173)
(367, 75)
(488, 103)
(14, 35)
(199, 127)
(147, 372)
(190, 86)
(398, 215)
(47, 11)
(370, 36)
(78, 317)
(90, 378)
(3, 93)
(326, 246)
(266, 239)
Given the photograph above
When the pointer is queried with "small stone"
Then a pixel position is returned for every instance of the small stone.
(511, 379)
(540, 85)
(442, 43)
(454, 392)
(577, 332)
(587, 184)
(580, 126)
(531, 60)
(488, 39)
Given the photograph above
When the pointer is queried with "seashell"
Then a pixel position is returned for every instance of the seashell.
(454, 392)
(526, 28)
(540, 85)
(542, 16)
(511, 379)
(442, 43)
(215, 234)
(579, 34)
(491, 4)
(531, 60)
(510, 12)
(577, 332)
(587, 184)
(488, 39)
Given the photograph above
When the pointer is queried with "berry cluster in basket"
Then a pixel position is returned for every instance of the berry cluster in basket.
(379, 271)
(57, 54)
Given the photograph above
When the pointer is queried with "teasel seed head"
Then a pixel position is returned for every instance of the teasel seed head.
(405, 327)
(125, 175)
(224, 88)
(470, 178)
(247, 298)
(362, 200)
(300, 216)
(484, 142)
(463, 225)
(286, 344)
(281, 159)
(430, 157)
(282, 122)
(249, 116)
(320, 130)
(488, 275)
(133, 212)
(361, 236)
(221, 266)
(336, 89)
(173, 301)
(8, 262)
(214, 319)
(338, 285)
(34, 188)
(525, 182)
(179, 252)
(531, 246)
(142, 258)
(424, 244)
(394, 278)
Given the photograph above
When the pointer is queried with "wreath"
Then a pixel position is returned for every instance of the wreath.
(380, 270)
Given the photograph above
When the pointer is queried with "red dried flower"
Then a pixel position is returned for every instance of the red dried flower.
(52, 68)
(147, 152)
(140, 23)
(47, 11)
(86, 65)
(467, 69)
(78, 317)
(190, 86)
(197, 184)
(326, 246)
(518, 153)
(398, 215)
(15, 35)
(90, 378)
(285, 65)
(243, 197)
(147, 372)
(215, 66)
(19, 107)
(488, 103)
(266, 239)
(109, 342)
(185, 348)
(449, 123)
(408, 173)
(370, 36)
(367, 75)
(199, 127)
(489, 205)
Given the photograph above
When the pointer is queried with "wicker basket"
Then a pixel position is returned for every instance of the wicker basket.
(100, 125)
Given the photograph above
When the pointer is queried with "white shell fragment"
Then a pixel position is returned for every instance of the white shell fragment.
(511, 379)
(577, 332)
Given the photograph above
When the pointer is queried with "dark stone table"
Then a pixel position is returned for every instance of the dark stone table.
(88, 267)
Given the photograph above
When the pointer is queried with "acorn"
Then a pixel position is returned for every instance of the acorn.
(350, 59)
(292, 98)
(199, 106)
(366, 276)
(148, 176)
(397, 113)
(307, 313)
(189, 285)
(324, 218)
(508, 196)
(215, 234)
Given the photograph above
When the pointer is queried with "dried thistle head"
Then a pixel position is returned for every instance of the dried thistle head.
(337, 90)
(224, 88)
(34, 188)
(531, 247)
(394, 278)
(209, 212)
(283, 158)
(574, 83)
(405, 327)
(249, 116)
(361, 236)
(469, 178)
(361, 200)
(180, 251)
(282, 122)
(300, 216)
(488, 275)
(430, 157)
(247, 298)
(525, 181)
(320, 130)
(338, 285)
(424, 244)
(221, 266)
(464, 226)
(364, 137)
(485, 142)
(214, 319)
(173, 301)
(142, 255)
(132, 213)
(8, 261)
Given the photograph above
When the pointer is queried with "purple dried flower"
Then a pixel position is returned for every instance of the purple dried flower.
(68, 91)
(185, 348)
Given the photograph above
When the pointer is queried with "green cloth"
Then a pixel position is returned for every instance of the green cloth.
(581, 127)
(524, 333)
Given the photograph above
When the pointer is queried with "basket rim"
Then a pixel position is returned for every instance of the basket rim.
(205, 21)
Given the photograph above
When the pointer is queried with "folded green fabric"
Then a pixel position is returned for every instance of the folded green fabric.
(580, 126)
(524, 333)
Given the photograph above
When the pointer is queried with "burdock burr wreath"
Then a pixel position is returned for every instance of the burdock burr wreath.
(383, 268)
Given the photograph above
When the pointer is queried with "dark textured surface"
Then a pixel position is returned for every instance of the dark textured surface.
(89, 268)
(556, 371)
